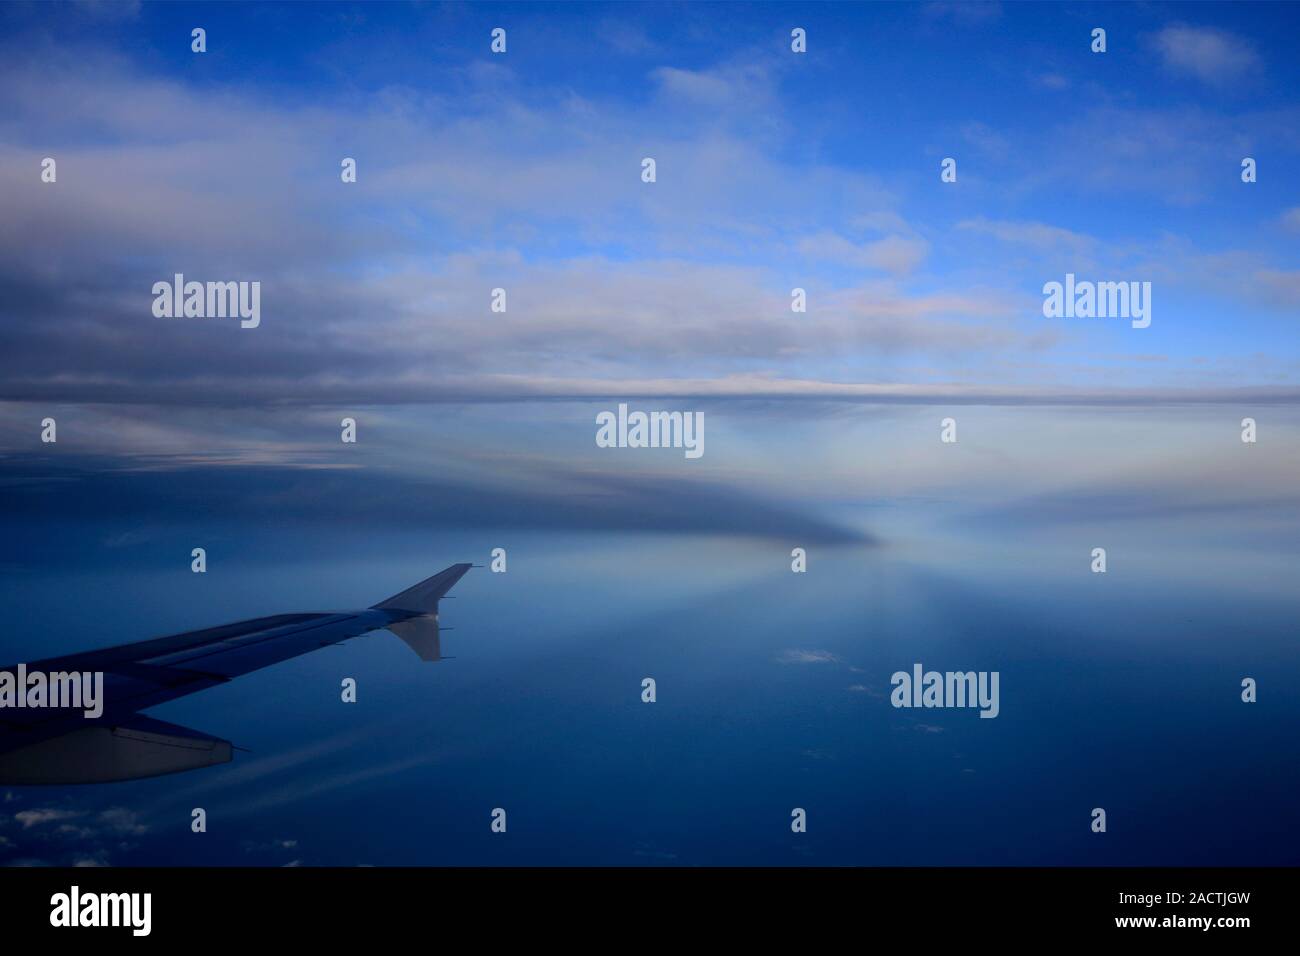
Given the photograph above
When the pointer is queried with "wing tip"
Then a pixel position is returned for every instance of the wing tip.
(423, 597)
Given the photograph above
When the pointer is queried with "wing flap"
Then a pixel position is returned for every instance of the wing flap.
(138, 747)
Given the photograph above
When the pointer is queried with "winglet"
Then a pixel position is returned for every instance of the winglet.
(423, 597)
(420, 630)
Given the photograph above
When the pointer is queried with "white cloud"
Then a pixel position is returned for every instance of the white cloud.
(1036, 234)
(709, 87)
(895, 254)
(122, 822)
(35, 818)
(807, 657)
(1213, 56)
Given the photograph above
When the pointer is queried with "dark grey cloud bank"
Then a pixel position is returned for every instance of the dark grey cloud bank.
(93, 509)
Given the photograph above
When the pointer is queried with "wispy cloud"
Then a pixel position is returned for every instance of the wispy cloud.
(42, 816)
(894, 254)
(1212, 56)
(799, 656)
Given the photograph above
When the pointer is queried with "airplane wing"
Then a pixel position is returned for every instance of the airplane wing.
(46, 744)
